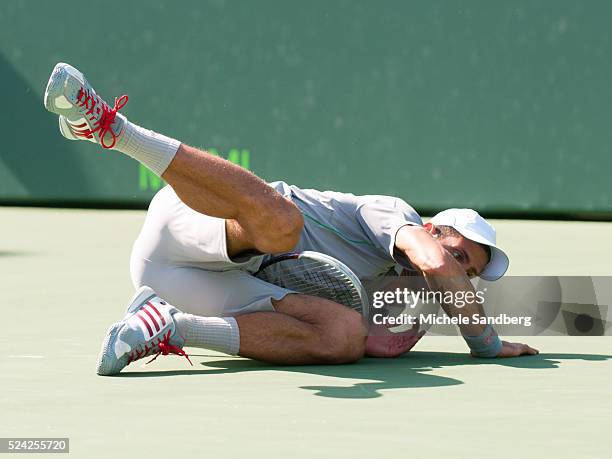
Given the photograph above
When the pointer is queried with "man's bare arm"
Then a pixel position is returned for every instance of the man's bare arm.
(443, 273)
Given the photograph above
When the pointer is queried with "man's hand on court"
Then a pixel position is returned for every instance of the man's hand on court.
(516, 349)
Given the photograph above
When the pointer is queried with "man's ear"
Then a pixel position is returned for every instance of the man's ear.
(430, 228)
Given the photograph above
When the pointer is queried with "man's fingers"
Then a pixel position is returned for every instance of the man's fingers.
(516, 349)
(530, 350)
(524, 349)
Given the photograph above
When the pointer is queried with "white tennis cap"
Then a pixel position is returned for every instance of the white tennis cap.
(471, 225)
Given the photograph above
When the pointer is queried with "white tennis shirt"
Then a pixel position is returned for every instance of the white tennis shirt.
(357, 230)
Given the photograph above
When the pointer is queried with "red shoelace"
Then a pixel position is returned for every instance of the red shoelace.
(162, 347)
(97, 107)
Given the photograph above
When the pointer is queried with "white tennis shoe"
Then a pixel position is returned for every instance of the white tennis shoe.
(147, 329)
(83, 115)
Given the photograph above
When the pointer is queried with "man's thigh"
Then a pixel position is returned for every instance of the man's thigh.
(207, 293)
(175, 234)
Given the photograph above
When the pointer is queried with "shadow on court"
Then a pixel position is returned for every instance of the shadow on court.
(408, 372)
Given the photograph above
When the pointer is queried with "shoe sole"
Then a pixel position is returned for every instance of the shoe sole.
(103, 367)
(56, 83)
(140, 298)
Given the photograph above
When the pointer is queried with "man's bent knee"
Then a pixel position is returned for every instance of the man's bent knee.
(338, 334)
(339, 350)
(344, 342)
(279, 231)
(291, 223)
(356, 334)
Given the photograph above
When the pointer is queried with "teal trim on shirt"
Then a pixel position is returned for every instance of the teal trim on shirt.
(335, 231)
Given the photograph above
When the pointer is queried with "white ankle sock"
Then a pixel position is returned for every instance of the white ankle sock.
(215, 333)
(154, 150)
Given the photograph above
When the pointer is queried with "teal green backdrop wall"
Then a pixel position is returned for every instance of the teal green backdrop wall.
(504, 106)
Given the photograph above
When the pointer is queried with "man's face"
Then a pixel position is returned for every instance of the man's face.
(470, 255)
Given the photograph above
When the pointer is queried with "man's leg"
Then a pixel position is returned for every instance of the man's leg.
(236, 313)
(310, 330)
(304, 330)
(258, 217)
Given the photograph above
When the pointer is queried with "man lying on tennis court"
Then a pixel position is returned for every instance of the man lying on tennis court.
(209, 230)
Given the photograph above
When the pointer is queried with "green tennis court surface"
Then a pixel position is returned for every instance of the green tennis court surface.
(65, 279)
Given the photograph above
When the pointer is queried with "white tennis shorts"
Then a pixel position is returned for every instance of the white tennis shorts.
(182, 255)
